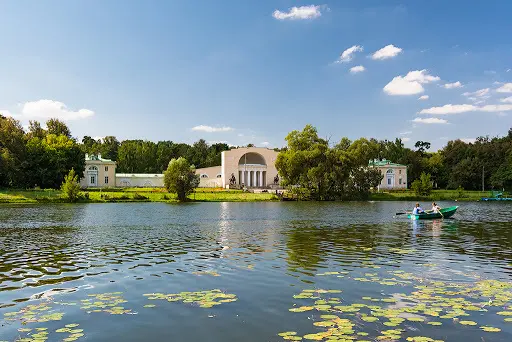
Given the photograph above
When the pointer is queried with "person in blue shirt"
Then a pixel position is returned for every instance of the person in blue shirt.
(417, 210)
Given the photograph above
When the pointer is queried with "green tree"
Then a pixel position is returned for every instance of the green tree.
(57, 127)
(35, 130)
(109, 147)
(422, 186)
(70, 187)
(12, 152)
(181, 178)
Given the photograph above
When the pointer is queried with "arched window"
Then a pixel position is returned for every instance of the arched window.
(204, 175)
(125, 183)
(219, 175)
(252, 158)
(148, 184)
(93, 168)
(389, 171)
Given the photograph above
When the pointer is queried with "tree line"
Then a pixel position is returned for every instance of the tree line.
(42, 157)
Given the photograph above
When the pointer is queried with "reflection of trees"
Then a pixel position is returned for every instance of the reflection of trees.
(309, 247)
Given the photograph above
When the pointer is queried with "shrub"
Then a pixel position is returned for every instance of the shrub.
(180, 177)
(139, 197)
(422, 186)
(70, 187)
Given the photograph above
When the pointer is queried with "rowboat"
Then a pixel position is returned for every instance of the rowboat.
(429, 214)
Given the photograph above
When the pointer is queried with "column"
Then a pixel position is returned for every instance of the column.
(255, 178)
(248, 178)
(261, 179)
(243, 178)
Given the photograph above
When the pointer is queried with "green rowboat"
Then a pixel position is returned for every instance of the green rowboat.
(429, 215)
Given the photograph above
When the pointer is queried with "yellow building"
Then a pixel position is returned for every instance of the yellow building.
(98, 172)
(395, 175)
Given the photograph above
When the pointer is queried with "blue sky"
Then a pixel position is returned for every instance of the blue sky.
(240, 72)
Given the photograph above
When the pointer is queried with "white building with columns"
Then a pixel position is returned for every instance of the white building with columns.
(251, 167)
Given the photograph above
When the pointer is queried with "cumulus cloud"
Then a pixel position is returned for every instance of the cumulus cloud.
(48, 109)
(348, 54)
(506, 88)
(388, 51)
(299, 13)
(410, 84)
(453, 85)
(406, 139)
(430, 121)
(405, 133)
(507, 99)
(210, 129)
(265, 143)
(357, 69)
(423, 97)
(464, 108)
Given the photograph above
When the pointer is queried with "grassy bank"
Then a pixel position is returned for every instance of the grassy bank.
(436, 195)
(210, 195)
(132, 195)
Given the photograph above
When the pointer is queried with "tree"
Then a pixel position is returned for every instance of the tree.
(57, 127)
(35, 130)
(422, 186)
(70, 187)
(109, 147)
(12, 152)
(422, 146)
(181, 178)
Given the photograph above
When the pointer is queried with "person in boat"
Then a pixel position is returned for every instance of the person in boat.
(435, 208)
(417, 209)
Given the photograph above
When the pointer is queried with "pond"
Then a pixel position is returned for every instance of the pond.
(254, 272)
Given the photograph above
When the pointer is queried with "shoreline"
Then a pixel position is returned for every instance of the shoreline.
(158, 195)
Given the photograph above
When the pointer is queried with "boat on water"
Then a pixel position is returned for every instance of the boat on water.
(496, 196)
(429, 215)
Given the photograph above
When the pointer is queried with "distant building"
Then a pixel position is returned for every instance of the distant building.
(99, 172)
(395, 175)
(252, 167)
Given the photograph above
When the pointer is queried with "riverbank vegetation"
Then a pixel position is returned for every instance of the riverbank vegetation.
(132, 195)
(42, 157)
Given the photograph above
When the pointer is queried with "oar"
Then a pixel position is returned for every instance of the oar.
(396, 214)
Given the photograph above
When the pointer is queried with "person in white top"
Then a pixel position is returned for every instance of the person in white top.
(435, 208)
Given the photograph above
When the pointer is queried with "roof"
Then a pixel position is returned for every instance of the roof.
(94, 157)
(139, 175)
(384, 162)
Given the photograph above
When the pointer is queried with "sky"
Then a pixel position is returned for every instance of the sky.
(252, 71)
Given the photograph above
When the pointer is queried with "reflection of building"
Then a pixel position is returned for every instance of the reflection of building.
(252, 167)
(395, 175)
(98, 172)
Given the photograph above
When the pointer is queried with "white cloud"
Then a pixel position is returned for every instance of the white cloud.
(406, 139)
(479, 93)
(299, 13)
(210, 129)
(410, 84)
(453, 85)
(430, 121)
(423, 97)
(405, 133)
(468, 140)
(388, 51)
(357, 69)
(509, 70)
(464, 108)
(265, 143)
(348, 54)
(49, 109)
(507, 99)
(506, 88)
(213, 142)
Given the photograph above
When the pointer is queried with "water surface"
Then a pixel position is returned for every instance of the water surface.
(110, 268)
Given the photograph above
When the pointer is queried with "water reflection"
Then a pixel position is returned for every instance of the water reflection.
(261, 252)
